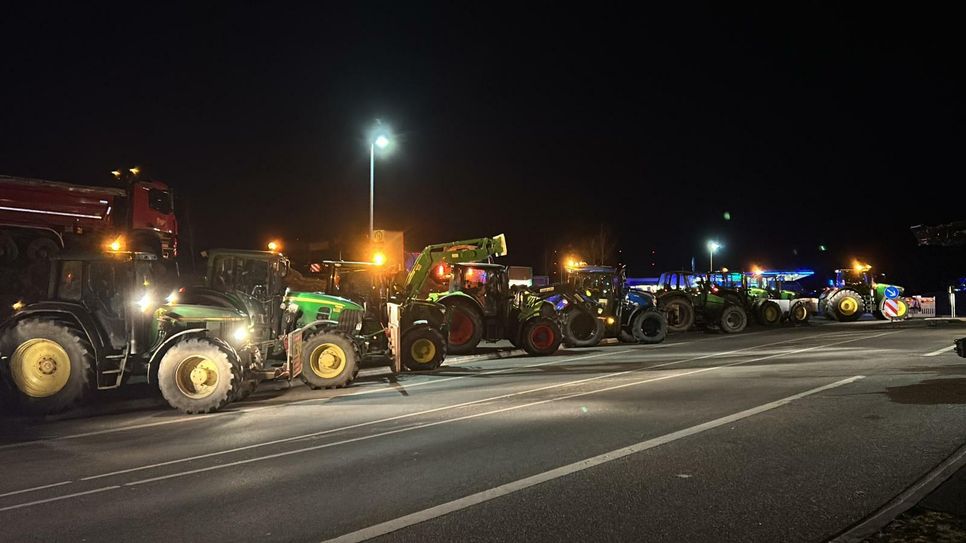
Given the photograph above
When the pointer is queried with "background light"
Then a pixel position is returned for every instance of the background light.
(382, 141)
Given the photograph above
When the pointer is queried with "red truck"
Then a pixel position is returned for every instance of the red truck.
(40, 218)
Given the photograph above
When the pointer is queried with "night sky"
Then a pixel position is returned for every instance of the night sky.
(813, 126)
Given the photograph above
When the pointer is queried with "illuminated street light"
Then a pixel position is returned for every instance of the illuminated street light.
(381, 140)
(712, 247)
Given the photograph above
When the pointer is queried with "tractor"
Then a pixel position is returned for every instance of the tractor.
(101, 327)
(688, 298)
(337, 333)
(854, 292)
(483, 307)
(761, 296)
(611, 309)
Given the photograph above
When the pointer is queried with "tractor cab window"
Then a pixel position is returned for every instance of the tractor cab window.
(69, 284)
(105, 289)
(252, 277)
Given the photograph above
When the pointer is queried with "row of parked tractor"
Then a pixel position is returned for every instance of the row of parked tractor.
(111, 318)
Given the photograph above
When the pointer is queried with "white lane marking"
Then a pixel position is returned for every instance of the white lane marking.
(940, 351)
(418, 413)
(475, 415)
(455, 406)
(527, 482)
(192, 418)
(59, 498)
(62, 483)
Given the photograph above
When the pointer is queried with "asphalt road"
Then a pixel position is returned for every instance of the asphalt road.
(778, 435)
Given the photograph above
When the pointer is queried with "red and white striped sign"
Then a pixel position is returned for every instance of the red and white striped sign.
(894, 309)
(315, 267)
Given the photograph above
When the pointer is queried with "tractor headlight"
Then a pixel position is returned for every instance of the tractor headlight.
(18, 305)
(145, 302)
(240, 334)
(600, 310)
(610, 320)
(172, 298)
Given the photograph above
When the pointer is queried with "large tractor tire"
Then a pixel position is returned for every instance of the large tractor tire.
(734, 319)
(465, 329)
(541, 336)
(329, 360)
(582, 329)
(198, 376)
(798, 312)
(768, 313)
(680, 313)
(649, 327)
(423, 349)
(846, 305)
(626, 336)
(49, 369)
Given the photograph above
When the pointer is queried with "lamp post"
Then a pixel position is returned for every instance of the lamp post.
(380, 141)
(712, 247)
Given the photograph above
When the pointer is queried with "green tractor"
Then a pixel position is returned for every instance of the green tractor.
(101, 327)
(337, 333)
(483, 307)
(761, 296)
(854, 292)
(689, 299)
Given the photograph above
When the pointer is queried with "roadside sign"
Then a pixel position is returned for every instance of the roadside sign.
(894, 309)
(891, 292)
(315, 267)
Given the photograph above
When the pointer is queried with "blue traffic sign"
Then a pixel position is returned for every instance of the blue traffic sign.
(891, 292)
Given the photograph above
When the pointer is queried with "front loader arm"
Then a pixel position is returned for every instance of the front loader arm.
(467, 250)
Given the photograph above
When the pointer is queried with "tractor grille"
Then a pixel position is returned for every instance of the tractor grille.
(349, 319)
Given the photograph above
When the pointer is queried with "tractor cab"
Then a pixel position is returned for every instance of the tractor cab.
(253, 280)
(115, 289)
(365, 283)
(487, 284)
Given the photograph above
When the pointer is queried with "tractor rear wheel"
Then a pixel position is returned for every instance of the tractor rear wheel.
(798, 313)
(768, 313)
(541, 336)
(846, 305)
(649, 327)
(423, 349)
(465, 329)
(733, 319)
(680, 313)
(198, 376)
(582, 329)
(49, 369)
(329, 360)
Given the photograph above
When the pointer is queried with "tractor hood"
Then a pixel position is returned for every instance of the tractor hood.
(640, 299)
(192, 312)
(319, 298)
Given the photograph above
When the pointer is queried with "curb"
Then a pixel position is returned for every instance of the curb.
(911, 496)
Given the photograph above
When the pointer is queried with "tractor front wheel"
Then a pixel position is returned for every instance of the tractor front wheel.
(649, 327)
(798, 313)
(423, 349)
(541, 336)
(198, 376)
(733, 319)
(582, 329)
(329, 361)
(769, 313)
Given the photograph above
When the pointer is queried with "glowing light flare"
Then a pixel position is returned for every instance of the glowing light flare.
(381, 141)
(713, 246)
(859, 267)
(117, 244)
(275, 246)
(116, 173)
(610, 320)
(172, 298)
(378, 259)
(135, 170)
(18, 305)
(240, 334)
(144, 302)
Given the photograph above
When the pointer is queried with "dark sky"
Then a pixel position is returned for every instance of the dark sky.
(811, 125)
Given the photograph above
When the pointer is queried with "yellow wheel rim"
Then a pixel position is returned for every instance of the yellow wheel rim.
(771, 313)
(423, 351)
(800, 312)
(40, 368)
(197, 377)
(848, 306)
(328, 360)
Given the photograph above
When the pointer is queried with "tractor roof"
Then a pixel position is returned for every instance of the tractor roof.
(594, 269)
(351, 264)
(247, 253)
(101, 256)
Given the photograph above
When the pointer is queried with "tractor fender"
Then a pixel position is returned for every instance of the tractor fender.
(64, 312)
(159, 353)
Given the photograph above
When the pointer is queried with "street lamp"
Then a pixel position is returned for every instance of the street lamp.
(380, 141)
(712, 247)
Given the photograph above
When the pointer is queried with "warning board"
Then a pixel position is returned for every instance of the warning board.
(894, 309)
(315, 267)
(891, 292)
